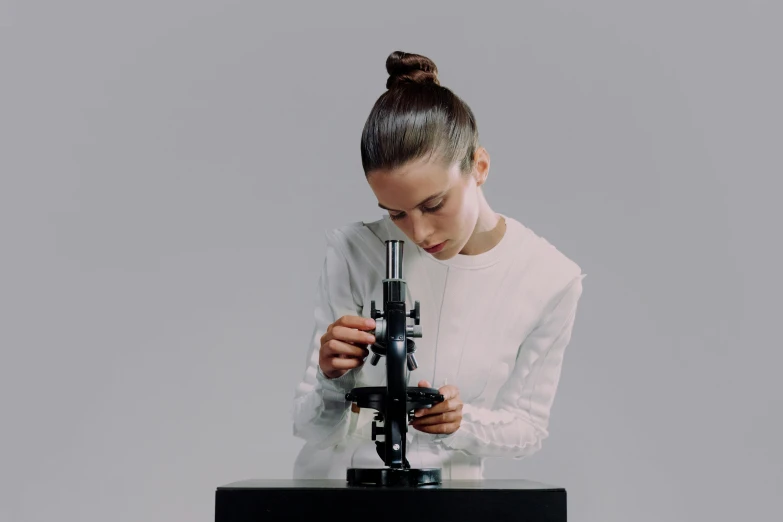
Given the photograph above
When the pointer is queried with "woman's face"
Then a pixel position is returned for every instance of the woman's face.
(430, 203)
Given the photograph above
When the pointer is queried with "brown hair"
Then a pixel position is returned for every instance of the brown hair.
(417, 117)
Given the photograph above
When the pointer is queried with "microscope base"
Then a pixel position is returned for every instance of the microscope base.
(393, 477)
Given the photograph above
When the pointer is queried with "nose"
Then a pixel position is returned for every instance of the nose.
(420, 230)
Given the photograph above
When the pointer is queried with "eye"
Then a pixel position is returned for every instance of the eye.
(436, 207)
(425, 209)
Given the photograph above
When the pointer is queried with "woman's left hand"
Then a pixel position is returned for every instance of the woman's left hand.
(444, 417)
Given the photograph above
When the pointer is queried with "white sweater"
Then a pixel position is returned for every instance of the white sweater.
(495, 325)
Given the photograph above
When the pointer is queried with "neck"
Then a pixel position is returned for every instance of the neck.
(489, 230)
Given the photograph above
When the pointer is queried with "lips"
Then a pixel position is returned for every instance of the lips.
(434, 248)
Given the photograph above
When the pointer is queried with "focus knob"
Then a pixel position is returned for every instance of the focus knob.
(413, 331)
(415, 313)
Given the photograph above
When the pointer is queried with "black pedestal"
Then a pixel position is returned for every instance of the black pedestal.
(451, 501)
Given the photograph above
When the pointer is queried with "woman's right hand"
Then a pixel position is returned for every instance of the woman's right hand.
(344, 345)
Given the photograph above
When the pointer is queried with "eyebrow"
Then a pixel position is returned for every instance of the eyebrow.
(434, 196)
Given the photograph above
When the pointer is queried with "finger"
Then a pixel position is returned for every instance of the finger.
(440, 418)
(347, 363)
(441, 407)
(335, 347)
(449, 392)
(450, 400)
(357, 322)
(352, 335)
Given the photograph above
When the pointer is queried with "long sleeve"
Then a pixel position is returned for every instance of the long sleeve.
(517, 424)
(320, 411)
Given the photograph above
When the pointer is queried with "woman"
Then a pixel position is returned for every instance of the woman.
(497, 301)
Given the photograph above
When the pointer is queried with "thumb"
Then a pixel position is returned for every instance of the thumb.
(424, 384)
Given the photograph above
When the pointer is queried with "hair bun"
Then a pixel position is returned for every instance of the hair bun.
(410, 68)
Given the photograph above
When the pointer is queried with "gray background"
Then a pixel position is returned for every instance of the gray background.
(166, 176)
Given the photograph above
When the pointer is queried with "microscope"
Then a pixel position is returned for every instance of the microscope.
(448, 499)
(395, 403)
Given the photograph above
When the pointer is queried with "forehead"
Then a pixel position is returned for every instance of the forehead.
(407, 186)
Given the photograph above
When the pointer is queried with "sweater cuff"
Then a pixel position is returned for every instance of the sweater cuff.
(455, 441)
(335, 389)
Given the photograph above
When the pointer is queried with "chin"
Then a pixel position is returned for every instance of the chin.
(446, 253)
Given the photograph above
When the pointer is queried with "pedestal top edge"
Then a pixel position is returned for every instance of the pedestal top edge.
(486, 484)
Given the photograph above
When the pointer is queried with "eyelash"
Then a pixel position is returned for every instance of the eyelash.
(426, 209)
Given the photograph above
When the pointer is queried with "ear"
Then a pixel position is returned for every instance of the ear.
(481, 165)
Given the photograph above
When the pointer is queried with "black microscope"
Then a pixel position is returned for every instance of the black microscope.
(395, 402)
